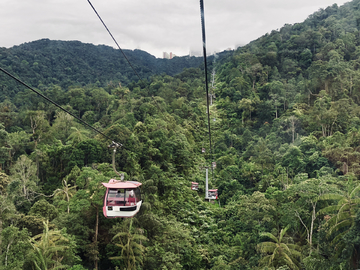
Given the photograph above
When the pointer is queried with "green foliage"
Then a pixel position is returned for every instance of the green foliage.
(24, 182)
(343, 220)
(4, 181)
(14, 245)
(285, 132)
(51, 250)
(74, 63)
(278, 252)
(44, 209)
(131, 249)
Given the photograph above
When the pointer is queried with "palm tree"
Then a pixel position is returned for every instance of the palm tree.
(132, 250)
(277, 253)
(78, 135)
(66, 192)
(48, 249)
(345, 213)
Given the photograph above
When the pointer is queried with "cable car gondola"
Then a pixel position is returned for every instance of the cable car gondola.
(194, 186)
(122, 198)
(212, 194)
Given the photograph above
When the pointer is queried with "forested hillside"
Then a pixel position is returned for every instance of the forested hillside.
(285, 128)
(67, 63)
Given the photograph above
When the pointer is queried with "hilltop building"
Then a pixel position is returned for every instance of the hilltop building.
(168, 56)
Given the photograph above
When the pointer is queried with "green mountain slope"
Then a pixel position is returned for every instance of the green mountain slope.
(285, 123)
(67, 63)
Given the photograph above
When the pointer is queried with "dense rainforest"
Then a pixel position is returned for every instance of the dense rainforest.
(68, 63)
(285, 129)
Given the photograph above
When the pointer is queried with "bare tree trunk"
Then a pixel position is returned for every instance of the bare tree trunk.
(7, 251)
(309, 232)
(68, 202)
(0, 238)
(37, 164)
(313, 218)
(96, 235)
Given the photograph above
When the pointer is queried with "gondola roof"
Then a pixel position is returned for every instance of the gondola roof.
(118, 184)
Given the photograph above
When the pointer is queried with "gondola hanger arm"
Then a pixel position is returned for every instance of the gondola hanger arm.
(115, 146)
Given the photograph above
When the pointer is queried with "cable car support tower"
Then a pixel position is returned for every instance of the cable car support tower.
(212, 193)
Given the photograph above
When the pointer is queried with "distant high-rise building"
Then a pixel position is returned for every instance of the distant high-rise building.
(168, 56)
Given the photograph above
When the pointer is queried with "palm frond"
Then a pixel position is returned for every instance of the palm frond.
(338, 239)
(290, 262)
(266, 247)
(354, 191)
(331, 196)
(271, 236)
(342, 224)
(329, 209)
(282, 233)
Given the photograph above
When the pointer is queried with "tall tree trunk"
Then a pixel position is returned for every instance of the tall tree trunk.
(96, 235)
(313, 217)
(7, 251)
(68, 202)
(37, 164)
(0, 238)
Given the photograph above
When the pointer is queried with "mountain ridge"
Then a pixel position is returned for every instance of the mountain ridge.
(67, 63)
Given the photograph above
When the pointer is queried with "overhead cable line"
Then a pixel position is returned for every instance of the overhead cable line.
(205, 63)
(57, 105)
(114, 39)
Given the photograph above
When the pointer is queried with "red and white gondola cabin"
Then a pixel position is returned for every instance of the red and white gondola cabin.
(212, 194)
(122, 198)
(194, 186)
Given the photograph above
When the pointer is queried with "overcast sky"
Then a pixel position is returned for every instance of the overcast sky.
(154, 26)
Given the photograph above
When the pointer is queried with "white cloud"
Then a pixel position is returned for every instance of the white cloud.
(154, 26)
